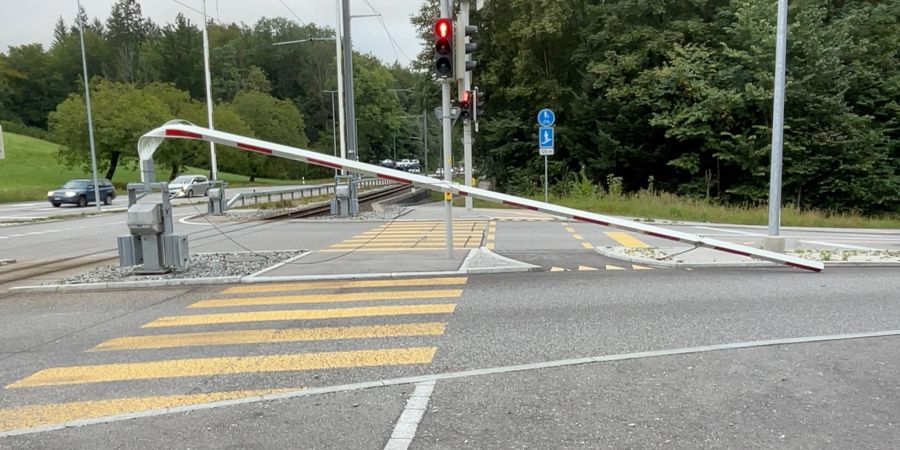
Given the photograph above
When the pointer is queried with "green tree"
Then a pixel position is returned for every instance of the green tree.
(121, 114)
(271, 120)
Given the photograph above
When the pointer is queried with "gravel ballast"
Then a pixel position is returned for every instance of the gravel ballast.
(203, 265)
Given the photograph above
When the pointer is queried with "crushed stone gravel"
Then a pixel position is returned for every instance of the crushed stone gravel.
(203, 265)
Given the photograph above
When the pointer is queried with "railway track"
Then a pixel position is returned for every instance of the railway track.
(43, 269)
(365, 198)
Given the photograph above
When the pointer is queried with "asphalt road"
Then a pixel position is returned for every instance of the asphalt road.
(829, 394)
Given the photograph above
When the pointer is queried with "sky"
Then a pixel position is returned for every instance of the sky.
(24, 22)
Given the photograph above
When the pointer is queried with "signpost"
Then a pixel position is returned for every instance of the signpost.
(1, 143)
(546, 119)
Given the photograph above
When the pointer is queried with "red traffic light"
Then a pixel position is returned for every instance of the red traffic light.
(443, 28)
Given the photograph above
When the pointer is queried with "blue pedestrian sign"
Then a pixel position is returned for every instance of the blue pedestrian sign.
(546, 118)
(545, 137)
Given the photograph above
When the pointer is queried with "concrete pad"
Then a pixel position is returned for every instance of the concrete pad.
(331, 263)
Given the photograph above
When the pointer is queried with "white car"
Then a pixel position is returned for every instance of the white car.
(188, 186)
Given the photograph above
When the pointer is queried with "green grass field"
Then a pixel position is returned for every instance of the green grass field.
(31, 169)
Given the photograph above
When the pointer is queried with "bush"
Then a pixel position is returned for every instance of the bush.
(26, 130)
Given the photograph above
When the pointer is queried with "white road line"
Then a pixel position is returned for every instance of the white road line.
(408, 423)
(742, 233)
(828, 244)
(450, 376)
(185, 221)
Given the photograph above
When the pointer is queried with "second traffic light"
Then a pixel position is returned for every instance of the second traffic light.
(443, 48)
(463, 48)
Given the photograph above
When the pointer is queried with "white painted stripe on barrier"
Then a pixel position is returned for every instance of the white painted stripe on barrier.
(178, 129)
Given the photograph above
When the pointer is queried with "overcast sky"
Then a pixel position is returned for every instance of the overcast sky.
(28, 21)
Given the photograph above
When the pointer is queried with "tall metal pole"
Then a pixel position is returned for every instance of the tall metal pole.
(448, 172)
(778, 120)
(425, 138)
(352, 150)
(87, 100)
(338, 39)
(214, 171)
(466, 86)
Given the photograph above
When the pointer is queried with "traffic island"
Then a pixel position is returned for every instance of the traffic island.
(698, 257)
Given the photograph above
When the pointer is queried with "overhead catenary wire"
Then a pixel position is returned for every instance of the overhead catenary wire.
(302, 22)
(394, 45)
(214, 19)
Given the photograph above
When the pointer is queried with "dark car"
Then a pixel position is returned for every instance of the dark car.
(81, 192)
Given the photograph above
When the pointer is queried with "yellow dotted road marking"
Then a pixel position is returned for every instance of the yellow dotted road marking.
(587, 245)
(578, 237)
(301, 314)
(414, 235)
(270, 336)
(328, 298)
(42, 415)
(627, 240)
(197, 367)
(570, 229)
(349, 284)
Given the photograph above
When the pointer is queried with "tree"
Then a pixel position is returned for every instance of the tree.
(121, 115)
(272, 120)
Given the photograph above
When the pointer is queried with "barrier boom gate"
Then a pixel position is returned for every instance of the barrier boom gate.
(148, 144)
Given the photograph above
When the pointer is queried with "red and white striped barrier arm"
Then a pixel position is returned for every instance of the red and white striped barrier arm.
(148, 144)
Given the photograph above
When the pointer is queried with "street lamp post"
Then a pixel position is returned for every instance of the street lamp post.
(773, 241)
(87, 99)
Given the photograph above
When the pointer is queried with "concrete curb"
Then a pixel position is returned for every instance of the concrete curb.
(603, 251)
(509, 265)
(517, 266)
(4, 262)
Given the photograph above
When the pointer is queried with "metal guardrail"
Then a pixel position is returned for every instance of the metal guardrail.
(253, 198)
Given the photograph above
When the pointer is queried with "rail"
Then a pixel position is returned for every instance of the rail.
(293, 194)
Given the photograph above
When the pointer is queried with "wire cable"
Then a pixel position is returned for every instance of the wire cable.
(394, 44)
(292, 12)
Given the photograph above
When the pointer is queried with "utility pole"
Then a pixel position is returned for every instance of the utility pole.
(465, 87)
(87, 100)
(773, 242)
(447, 153)
(213, 171)
(352, 144)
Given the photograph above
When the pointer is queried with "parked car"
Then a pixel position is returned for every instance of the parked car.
(387, 163)
(81, 192)
(403, 164)
(188, 186)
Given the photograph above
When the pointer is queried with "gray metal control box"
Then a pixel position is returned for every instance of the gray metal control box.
(145, 218)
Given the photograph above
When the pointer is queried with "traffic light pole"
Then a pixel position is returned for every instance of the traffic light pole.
(447, 154)
(466, 87)
(350, 110)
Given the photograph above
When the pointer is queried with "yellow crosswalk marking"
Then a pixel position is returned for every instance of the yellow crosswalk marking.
(627, 240)
(197, 367)
(270, 336)
(328, 298)
(30, 416)
(612, 267)
(637, 267)
(489, 245)
(587, 245)
(300, 314)
(578, 237)
(418, 248)
(345, 284)
(586, 268)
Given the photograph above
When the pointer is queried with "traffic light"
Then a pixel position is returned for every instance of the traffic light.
(467, 106)
(443, 48)
(464, 48)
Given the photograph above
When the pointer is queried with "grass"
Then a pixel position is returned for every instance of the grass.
(664, 206)
(31, 168)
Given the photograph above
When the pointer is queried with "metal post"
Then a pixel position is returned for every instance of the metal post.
(466, 86)
(546, 182)
(448, 172)
(214, 172)
(778, 120)
(338, 39)
(352, 142)
(425, 138)
(87, 100)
